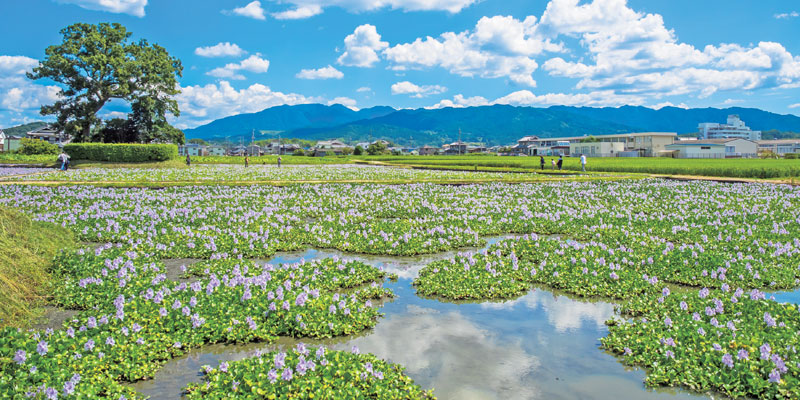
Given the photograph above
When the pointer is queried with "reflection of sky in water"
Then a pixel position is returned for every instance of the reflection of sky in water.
(539, 346)
(787, 297)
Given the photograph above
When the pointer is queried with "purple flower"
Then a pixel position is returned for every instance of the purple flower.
(287, 374)
(224, 367)
(272, 375)
(768, 320)
(765, 351)
(667, 322)
(20, 356)
(727, 359)
(775, 376)
(69, 387)
(703, 293)
(355, 350)
(89, 346)
(743, 354)
(51, 393)
(684, 306)
(110, 341)
(279, 360)
(41, 348)
(670, 354)
(628, 351)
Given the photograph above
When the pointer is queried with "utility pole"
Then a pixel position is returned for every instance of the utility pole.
(459, 141)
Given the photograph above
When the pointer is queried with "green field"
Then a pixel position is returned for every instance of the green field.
(736, 168)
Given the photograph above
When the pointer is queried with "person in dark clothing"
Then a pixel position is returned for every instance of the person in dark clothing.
(188, 160)
(279, 161)
(560, 162)
(541, 162)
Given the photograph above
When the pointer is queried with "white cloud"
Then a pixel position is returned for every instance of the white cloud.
(328, 72)
(406, 87)
(251, 10)
(668, 104)
(793, 14)
(220, 50)
(634, 53)
(363, 89)
(299, 13)
(309, 8)
(498, 47)
(132, 7)
(20, 98)
(605, 98)
(254, 64)
(203, 104)
(732, 101)
(114, 114)
(345, 101)
(16, 65)
(361, 47)
(795, 105)
(459, 101)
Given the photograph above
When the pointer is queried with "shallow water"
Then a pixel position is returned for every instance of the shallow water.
(540, 346)
(787, 297)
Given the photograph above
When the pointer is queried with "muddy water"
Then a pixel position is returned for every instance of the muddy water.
(542, 345)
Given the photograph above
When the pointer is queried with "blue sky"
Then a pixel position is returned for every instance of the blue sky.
(244, 56)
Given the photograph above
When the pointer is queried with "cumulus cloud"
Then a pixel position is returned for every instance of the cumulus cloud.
(459, 101)
(220, 50)
(499, 46)
(793, 14)
(309, 8)
(203, 104)
(795, 105)
(635, 53)
(361, 47)
(345, 101)
(132, 7)
(328, 72)
(300, 12)
(20, 98)
(409, 88)
(363, 89)
(254, 64)
(251, 10)
(602, 98)
(669, 104)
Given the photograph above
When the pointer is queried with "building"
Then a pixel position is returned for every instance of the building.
(216, 150)
(192, 149)
(596, 149)
(455, 148)
(2, 140)
(324, 147)
(735, 128)
(253, 150)
(50, 135)
(640, 144)
(780, 147)
(428, 150)
(713, 148)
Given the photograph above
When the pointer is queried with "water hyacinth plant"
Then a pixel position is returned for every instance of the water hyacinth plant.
(307, 373)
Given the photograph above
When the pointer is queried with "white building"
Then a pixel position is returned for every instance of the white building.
(780, 146)
(735, 128)
(714, 148)
(596, 149)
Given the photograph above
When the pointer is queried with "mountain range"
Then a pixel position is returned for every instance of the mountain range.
(493, 125)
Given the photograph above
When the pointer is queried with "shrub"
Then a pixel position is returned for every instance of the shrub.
(358, 151)
(36, 146)
(792, 156)
(124, 152)
(299, 152)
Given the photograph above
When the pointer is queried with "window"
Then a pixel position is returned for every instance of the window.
(730, 149)
(705, 147)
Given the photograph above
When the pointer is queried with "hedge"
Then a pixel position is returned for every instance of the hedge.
(123, 152)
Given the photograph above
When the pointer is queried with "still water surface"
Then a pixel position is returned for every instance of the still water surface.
(543, 345)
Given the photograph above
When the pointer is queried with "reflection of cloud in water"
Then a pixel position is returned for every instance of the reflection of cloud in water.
(562, 312)
(451, 354)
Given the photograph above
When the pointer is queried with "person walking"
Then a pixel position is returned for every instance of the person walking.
(560, 162)
(246, 161)
(583, 162)
(553, 163)
(541, 162)
(279, 161)
(64, 159)
(188, 160)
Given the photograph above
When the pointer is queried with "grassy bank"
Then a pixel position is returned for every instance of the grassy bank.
(26, 251)
(735, 168)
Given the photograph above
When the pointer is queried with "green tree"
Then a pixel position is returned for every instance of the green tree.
(98, 63)
(36, 146)
(358, 151)
(116, 130)
(198, 141)
(590, 139)
(299, 152)
(376, 148)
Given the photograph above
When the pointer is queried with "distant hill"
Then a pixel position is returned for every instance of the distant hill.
(283, 119)
(20, 130)
(493, 125)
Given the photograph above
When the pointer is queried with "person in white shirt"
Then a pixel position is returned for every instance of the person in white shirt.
(583, 163)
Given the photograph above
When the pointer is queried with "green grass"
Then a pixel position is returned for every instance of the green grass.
(14, 158)
(735, 168)
(27, 249)
(287, 159)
